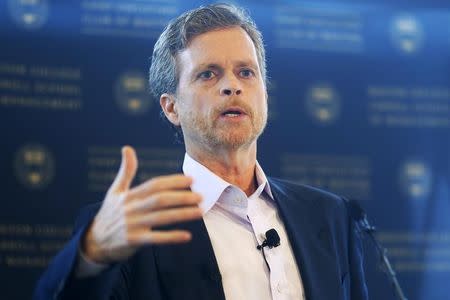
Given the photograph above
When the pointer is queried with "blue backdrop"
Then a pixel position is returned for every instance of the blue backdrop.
(359, 105)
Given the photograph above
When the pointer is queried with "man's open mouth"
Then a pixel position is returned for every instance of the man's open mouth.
(233, 112)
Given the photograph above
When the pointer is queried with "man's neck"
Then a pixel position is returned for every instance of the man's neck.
(235, 166)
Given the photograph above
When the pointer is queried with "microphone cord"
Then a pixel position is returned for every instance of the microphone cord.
(363, 225)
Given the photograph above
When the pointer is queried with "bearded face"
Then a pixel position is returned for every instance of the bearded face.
(221, 98)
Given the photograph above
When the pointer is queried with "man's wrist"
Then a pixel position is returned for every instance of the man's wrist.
(90, 250)
(86, 267)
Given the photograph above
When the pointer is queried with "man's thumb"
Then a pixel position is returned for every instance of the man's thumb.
(127, 170)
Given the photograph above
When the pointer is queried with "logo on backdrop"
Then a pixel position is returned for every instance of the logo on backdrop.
(415, 179)
(132, 94)
(407, 34)
(34, 166)
(323, 104)
(29, 14)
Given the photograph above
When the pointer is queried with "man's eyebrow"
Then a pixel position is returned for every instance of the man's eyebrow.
(240, 63)
(247, 63)
(205, 66)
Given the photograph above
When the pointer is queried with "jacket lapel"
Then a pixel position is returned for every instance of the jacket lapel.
(311, 242)
(190, 270)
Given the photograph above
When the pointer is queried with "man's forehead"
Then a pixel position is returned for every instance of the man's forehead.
(230, 45)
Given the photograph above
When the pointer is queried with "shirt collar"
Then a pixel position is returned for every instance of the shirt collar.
(210, 186)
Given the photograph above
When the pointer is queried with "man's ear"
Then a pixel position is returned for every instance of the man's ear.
(168, 106)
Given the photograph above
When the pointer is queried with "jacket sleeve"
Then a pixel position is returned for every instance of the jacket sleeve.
(59, 282)
(358, 287)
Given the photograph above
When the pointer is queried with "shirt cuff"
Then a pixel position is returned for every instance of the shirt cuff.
(86, 267)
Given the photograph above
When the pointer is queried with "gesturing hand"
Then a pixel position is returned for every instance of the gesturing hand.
(127, 217)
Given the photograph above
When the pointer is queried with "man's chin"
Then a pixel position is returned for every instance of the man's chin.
(233, 141)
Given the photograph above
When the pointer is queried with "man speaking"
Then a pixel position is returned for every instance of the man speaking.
(222, 229)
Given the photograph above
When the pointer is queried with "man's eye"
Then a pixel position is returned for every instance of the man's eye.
(206, 75)
(246, 73)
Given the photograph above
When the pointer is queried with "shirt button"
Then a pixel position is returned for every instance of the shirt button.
(237, 200)
(279, 289)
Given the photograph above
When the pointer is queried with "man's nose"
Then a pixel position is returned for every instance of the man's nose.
(230, 86)
(229, 91)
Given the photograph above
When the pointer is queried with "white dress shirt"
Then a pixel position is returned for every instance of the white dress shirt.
(236, 224)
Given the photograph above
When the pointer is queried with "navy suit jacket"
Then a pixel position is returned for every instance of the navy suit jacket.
(324, 239)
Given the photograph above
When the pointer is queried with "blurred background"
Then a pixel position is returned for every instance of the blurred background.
(359, 105)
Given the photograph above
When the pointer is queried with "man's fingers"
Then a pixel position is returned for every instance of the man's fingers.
(127, 170)
(159, 237)
(163, 200)
(165, 217)
(158, 184)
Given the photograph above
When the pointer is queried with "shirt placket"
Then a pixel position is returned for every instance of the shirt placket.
(273, 256)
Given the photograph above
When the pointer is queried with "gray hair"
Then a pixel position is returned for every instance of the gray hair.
(163, 75)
